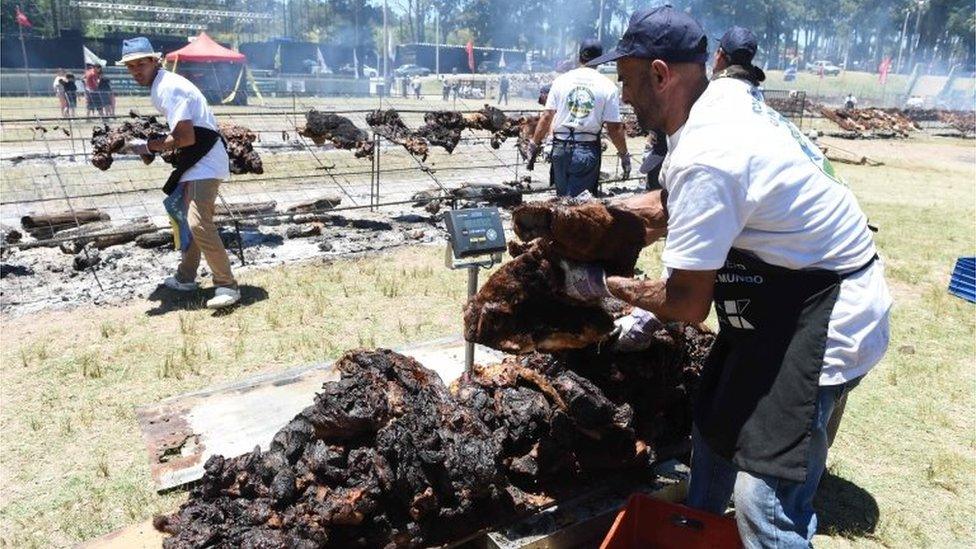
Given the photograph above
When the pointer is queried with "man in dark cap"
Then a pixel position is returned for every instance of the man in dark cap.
(733, 58)
(757, 224)
(580, 102)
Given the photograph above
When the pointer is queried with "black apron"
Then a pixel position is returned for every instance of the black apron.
(759, 386)
(187, 157)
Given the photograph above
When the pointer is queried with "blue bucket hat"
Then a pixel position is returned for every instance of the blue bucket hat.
(137, 48)
(660, 33)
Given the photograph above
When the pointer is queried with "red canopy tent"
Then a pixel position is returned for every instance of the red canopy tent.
(216, 70)
(204, 49)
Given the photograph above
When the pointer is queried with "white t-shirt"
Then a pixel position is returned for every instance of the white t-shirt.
(178, 99)
(583, 100)
(740, 175)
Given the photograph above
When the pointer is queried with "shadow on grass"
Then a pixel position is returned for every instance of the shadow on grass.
(172, 300)
(844, 508)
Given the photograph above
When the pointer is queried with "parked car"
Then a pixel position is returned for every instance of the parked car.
(608, 68)
(829, 69)
(411, 69)
(367, 71)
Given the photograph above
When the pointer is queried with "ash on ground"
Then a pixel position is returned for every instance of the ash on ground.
(46, 278)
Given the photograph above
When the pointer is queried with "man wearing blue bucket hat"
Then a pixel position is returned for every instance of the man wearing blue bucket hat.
(758, 224)
(201, 164)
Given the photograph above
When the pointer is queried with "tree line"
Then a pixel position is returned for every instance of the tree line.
(859, 34)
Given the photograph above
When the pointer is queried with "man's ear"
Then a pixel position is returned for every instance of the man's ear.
(660, 74)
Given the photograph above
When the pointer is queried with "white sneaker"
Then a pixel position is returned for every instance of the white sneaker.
(224, 297)
(172, 283)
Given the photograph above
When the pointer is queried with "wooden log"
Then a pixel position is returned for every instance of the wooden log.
(245, 208)
(111, 236)
(157, 239)
(326, 202)
(46, 225)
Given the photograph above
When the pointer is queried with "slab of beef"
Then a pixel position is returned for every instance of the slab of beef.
(527, 126)
(385, 457)
(389, 124)
(325, 126)
(388, 457)
(107, 141)
(443, 129)
(522, 307)
(554, 425)
(588, 231)
(494, 120)
(240, 149)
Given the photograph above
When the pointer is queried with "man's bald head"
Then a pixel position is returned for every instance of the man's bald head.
(661, 93)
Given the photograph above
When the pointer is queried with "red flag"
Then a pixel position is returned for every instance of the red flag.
(883, 70)
(22, 19)
(470, 49)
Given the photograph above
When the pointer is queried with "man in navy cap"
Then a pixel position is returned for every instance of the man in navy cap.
(758, 224)
(733, 58)
(579, 103)
(201, 164)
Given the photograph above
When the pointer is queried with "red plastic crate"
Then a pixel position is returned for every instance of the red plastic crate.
(649, 523)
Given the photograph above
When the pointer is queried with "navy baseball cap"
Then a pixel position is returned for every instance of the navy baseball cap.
(660, 33)
(591, 48)
(739, 44)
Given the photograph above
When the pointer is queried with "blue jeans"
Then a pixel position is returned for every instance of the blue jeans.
(575, 167)
(770, 512)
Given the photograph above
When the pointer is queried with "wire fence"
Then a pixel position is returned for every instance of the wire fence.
(47, 170)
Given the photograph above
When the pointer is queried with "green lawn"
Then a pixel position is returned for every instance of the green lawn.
(903, 470)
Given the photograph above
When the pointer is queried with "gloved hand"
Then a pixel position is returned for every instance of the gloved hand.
(625, 165)
(533, 150)
(136, 146)
(635, 332)
(584, 281)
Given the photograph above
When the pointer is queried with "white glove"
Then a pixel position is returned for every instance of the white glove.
(635, 332)
(584, 281)
(136, 146)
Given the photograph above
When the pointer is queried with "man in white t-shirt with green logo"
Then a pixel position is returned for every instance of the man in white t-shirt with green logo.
(757, 224)
(579, 104)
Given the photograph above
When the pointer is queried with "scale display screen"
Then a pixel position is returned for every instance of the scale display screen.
(475, 231)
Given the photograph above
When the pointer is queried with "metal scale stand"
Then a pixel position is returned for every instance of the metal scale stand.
(475, 240)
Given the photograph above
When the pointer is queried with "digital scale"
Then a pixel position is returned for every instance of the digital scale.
(475, 240)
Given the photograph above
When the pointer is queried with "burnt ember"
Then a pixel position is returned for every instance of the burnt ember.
(388, 457)
(240, 149)
(442, 129)
(384, 457)
(325, 126)
(389, 124)
(632, 127)
(586, 231)
(107, 141)
(522, 307)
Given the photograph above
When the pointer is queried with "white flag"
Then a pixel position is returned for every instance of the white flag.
(355, 63)
(391, 49)
(501, 62)
(320, 59)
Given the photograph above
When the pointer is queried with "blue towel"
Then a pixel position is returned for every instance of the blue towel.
(177, 205)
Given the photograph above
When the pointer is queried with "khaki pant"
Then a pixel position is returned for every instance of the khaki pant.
(202, 195)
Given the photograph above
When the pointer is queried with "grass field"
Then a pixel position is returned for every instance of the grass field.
(902, 472)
